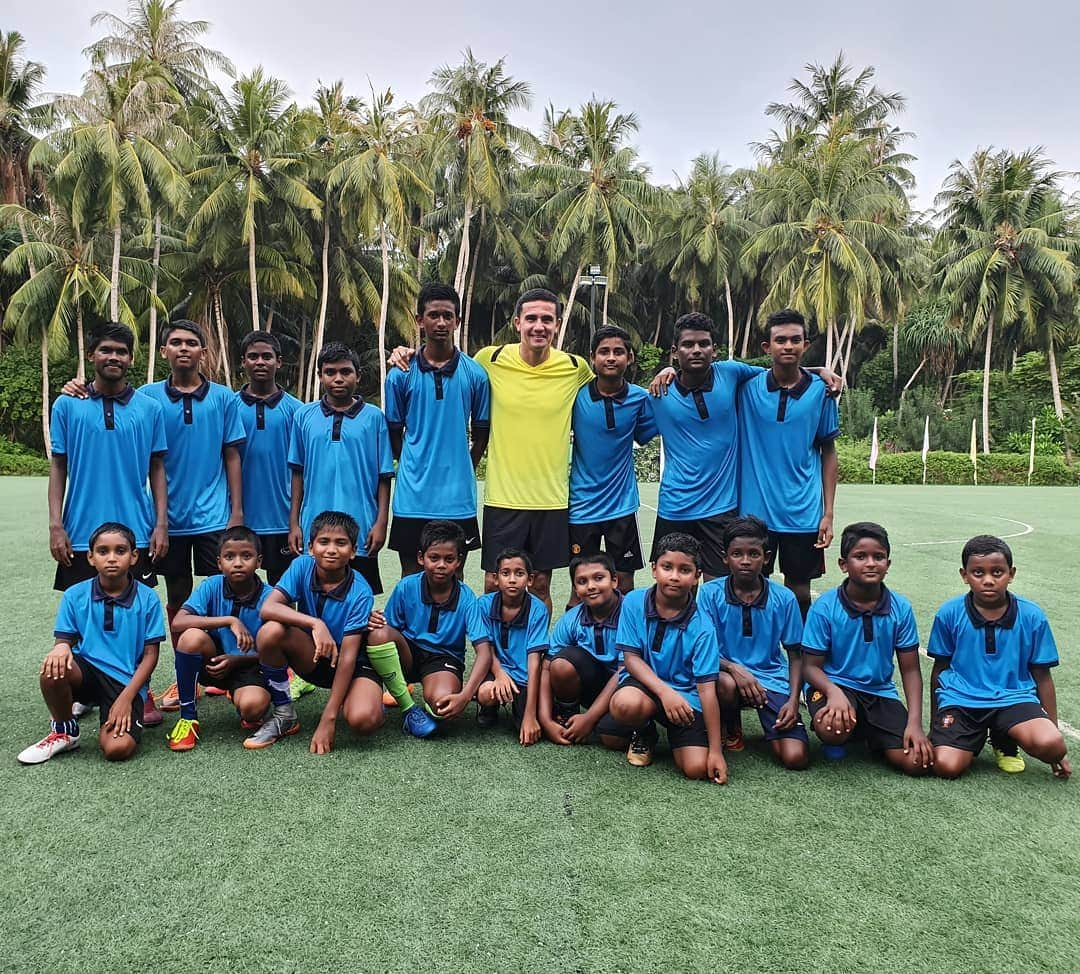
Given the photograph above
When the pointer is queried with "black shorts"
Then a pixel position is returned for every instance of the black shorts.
(593, 674)
(425, 663)
(799, 559)
(368, 567)
(767, 716)
(620, 541)
(966, 727)
(879, 721)
(405, 533)
(80, 570)
(693, 735)
(100, 690)
(708, 530)
(517, 708)
(276, 555)
(184, 550)
(545, 535)
(323, 673)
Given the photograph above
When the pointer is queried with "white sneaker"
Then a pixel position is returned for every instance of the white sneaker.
(48, 747)
(80, 709)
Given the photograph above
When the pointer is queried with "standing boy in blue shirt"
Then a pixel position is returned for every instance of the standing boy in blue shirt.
(267, 411)
(108, 631)
(787, 456)
(430, 411)
(341, 461)
(993, 652)
(610, 416)
(671, 664)
(851, 635)
(756, 624)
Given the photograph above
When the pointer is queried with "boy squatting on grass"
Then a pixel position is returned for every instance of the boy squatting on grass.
(108, 631)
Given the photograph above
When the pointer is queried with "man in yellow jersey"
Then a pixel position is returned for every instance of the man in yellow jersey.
(533, 387)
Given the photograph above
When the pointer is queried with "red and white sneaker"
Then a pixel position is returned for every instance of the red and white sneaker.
(48, 747)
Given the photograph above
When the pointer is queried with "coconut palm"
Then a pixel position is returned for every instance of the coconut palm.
(938, 342)
(20, 83)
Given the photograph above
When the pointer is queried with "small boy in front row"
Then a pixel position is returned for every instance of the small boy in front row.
(992, 653)
(218, 625)
(672, 664)
(425, 617)
(851, 635)
(509, 630)
(324, 641)
(757, 621)
(108, 631)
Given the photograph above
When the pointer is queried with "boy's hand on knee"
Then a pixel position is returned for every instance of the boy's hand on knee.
(119, 722)
(219, 666)
(450, 706)
(838, 714)
(788, 716)
(57, 663)
(325, 647)
(244, 640)
(750, 691)
(677, 710)
(917, 745)
(322, 741)
(504, 689)
(1062, 769)
(376, 620)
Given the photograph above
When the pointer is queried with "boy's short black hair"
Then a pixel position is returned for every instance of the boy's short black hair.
(611, 331)
(854, 533)
(601, 558)
(508, 553)
(986, 544)
(684, 544)
(538, 294)
(785, 316)
(113, 527)
(693, 321)
(265, 337)
(182, 324)
(240, 533)
(442, 532)
(338, 352)
(746, 527)
(436, 291)
(335, 519)
(113, 331)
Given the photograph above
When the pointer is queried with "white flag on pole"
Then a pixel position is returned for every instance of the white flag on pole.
(925, 447)
(874, 454)
(1031, 452)
(974, 455)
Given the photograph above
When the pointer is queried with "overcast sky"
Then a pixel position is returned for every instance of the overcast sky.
(698, 74)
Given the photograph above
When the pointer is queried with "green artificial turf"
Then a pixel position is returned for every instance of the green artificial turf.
(470, 853)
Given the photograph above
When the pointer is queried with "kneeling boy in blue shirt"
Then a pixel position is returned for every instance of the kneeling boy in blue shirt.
(992, 654)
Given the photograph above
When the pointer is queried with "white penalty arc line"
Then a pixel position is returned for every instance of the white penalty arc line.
(1028, 529)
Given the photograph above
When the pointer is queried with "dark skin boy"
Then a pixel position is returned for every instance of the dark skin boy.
(261, 364)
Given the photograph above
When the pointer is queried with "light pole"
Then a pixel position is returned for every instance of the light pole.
(592, 280)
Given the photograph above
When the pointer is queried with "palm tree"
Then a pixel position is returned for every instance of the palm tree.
(1004, 255)
(938, 342)
(20, 82)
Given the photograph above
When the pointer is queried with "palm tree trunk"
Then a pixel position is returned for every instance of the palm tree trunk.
(847, 354)
(320, 327)
(986, 386)
(569, 306)
(603, 317)
(45, 430)
(1055, 385)
(730, 319)
(383, 307)
(223, 340)
(301, 377)
(80, 336)
(463, 250)
(830, 331)
(749, 330)
(153, 300)
(907, 385)
(269, 326)
(659, 325)
(420, 247)
(895, 355)
(254, 285)
(114, 281)
(468, 306)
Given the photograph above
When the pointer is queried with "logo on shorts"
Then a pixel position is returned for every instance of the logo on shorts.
(947, 721)
(575, 549)
(470, 541)
(816, 696)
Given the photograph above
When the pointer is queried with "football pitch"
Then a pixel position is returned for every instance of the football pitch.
(470, 853)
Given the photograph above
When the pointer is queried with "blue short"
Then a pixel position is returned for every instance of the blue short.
(774, 701)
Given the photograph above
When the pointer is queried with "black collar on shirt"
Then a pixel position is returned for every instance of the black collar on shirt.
(108, 403)
(338, 592)
(340, 415)
(698, 393)
(794, 392)
(450, 605)
(681, 621)
(177, 394)
(611, 622)
(519, 621)
(883, 608)
(270, 401)
(760, 602)
(609, 401)
(438, 372)
(990, 626)
(125, 600)
(250, 601)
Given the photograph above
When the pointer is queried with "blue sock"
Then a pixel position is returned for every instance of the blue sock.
(188, 669)
(277, 680)
(69, 727)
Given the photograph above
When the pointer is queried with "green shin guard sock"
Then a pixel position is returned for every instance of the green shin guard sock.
(384, 661)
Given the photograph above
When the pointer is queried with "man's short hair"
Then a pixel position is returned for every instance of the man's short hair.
(507, 553)
(785, 316)
(437, 292)
(986, 544)
(113, 331)
(442, 532)
(611, 331)
(113, 527)
(182, 324)
(680, 543)
(335, 519)
(255, 337)
(601, 558)
(746, 527)
(242, 533)
(693, 321)
(338, 352)
(854, 533)
(538, 294)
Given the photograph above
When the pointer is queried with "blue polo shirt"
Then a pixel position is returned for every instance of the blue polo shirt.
(198, 427)
(752, 635)
(990, 662)
(214, 598)
(859, 646)
(110, 632)
(345, 608)
(781, 433)
(267, 482)
(435, 627)
(681, 651)
(435, 407)
(108, 442)
(513, 641)
(343, 456)
(602, 481)
(701, 444)
(578, 628)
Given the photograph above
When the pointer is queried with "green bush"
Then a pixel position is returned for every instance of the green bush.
(647, 462)
(17, 461)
